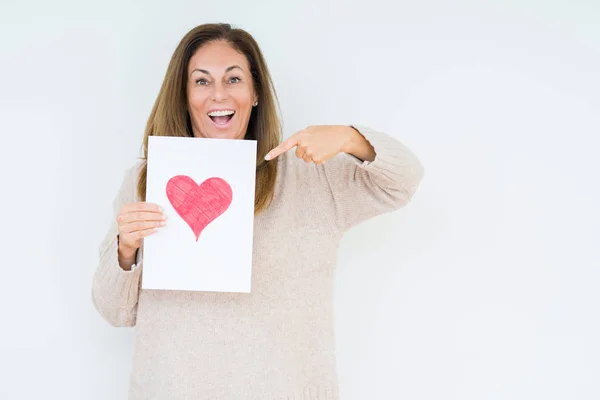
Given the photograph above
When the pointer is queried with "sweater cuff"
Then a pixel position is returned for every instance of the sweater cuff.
(393, 160)
(116, 287)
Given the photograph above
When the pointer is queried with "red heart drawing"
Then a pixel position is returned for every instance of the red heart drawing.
(199, 205)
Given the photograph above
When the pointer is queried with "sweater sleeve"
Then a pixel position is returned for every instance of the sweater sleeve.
(114, 290)
(359, 190)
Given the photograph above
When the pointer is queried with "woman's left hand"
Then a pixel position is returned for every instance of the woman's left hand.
(318, 144)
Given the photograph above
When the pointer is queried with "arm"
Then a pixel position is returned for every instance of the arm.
(358, 145)
(115, 289)
(375, 174)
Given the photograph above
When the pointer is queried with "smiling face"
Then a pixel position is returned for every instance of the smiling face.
(220, 92)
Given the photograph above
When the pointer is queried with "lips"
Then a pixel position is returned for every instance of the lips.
(221, 120)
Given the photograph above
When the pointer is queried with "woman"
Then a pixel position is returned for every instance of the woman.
(278, 341)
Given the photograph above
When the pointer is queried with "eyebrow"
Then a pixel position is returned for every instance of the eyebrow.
(208, 73)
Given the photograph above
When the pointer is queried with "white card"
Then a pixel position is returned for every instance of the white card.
(206, 188)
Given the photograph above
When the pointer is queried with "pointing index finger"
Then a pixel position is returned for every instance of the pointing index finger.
(282, 148)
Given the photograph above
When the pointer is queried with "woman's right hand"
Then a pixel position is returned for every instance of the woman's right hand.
(135, 222)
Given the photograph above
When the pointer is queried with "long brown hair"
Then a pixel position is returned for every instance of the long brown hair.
(169, 116)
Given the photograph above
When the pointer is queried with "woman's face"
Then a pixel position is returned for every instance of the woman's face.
(220, 92)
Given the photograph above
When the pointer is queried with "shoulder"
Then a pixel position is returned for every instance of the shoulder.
(137, 166)
(132, 172)
(129, 181)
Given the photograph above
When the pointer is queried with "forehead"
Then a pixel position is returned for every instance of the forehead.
(215, 57)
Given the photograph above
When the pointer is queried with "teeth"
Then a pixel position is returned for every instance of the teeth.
(221, 113)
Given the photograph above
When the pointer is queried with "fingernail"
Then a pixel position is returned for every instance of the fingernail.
(267, 157)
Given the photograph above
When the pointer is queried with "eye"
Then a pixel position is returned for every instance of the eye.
(235, 78)
(201, 81)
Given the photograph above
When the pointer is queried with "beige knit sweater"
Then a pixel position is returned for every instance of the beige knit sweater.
(278, 341)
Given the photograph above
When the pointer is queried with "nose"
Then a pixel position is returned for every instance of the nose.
(219, 93)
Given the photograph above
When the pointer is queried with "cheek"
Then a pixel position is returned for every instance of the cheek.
(196, 103)
(243, 96)
(196, 99)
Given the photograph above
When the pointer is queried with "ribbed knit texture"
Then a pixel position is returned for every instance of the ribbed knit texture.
(278, 341)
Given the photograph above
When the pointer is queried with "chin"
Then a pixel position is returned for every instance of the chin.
(229, 130)
(227, 135)
(212, 133)
(221, 134)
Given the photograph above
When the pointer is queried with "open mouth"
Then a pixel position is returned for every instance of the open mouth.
(221, 118)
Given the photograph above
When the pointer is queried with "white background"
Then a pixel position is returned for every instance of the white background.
(485, 287)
